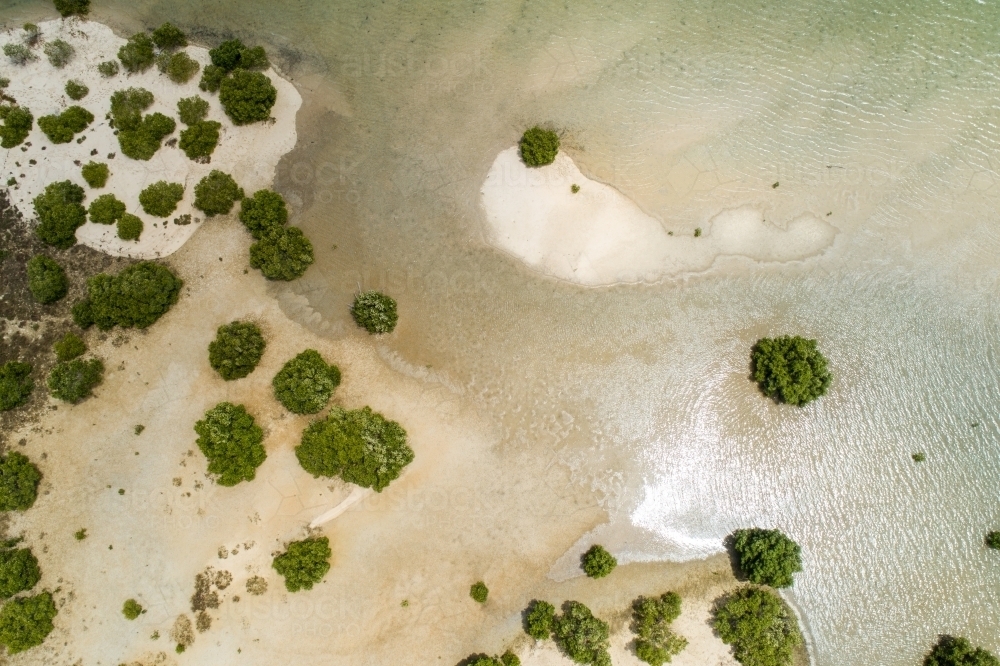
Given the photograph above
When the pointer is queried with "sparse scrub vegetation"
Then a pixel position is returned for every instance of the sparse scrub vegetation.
(231, 441)
(26, 621)
(129, 227)
(68, 347)
(256, 585)
(17, 124)
(72, 381)
(19, 480)
(216, 193)
(95, 173)
(19, 54)
(108, 68)
(32, 33)
(60, 213)
(46, 279)
(62, 128)
(305, 383)
(656, 644)
(75, 90)
(790, 369)
(16, 385)
(304, 563)
(236, 350)
(161, 198)
(106, 209)
(135, 298)
(137, 54)
(767, 557)
(756, 622)
(597, 562)
(538, 146)
(59, 53)
(375, 312)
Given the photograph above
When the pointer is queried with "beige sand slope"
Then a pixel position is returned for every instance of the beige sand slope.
(598, 236)
(249, 153)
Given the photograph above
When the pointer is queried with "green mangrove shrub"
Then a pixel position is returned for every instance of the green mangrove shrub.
(958, 651)
(169, 37)
(129, 227)
(305, 383)
(538, 146)
(17, 124)
(656, 643)
(247, 97)
(68, 347)
(60, 213)
(16, 386)
(179, 67)
(199, 140)
(138, 136)
(68, 8)
(32, 34)
(216, 193)
(95, 173)
(283, 254)
(19, 54)
(993, 539)
(581, 636)
(132, 609)
(137, 54)
(758, 625)
(72, 381)
(108, 68)
(63, 127)
(597, 562)
(59, 53)
(46, 279)
(161, 198)
(539, 619)
(236, 350)
(135, 298)
(19, 571)
(767, 557)
(375, 312)
(231, 441)
(360, 446)
(479, 592)
(790, 369)
(304, 563)
(263, 213)
(19, 479)
(508, 658)
(76, 90)
(26, 621)
(106, 209)
(232, 54)
(211, 78)
(192, 109)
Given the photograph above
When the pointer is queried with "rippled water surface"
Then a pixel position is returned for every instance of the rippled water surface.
(882, 117)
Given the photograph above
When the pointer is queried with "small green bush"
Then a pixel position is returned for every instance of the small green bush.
(142, 143)
(179, 67)
(108, 68)
(957, 651)
(19, 571)
(236, 350)
(375, 312)
(790, 369)
(263, 213)
(199, 140)
(539, 618)
(581, 636)
(135, 298)
(19, 54)
(32, 33)
(137, 54)
(360, 446)
(479, 592)
(76, 90)
(247, 97)
(539, 146)
(656, 644)
(304, 385)
(83, 314)
(507, 659)
(756, 622)
(62, 128)
(59, 53)
(19, 479)
(46, 279)
(283, 254)
(72, 7)
(129, 227)
(95, 173)
(216, 193)
(17, 123)
(106, 209)
(70, 346)
(192, 110)
(767, 557)
(60, 213)
(993, 539)
(161, 198)
(127, 106)
(169, 37)
(72, 381)
(597, 562)
(26, 621)
(211, 78)
(16, 386)
(132, 609)
(231, 441)
(254, 58)
(233, 54)
(304, 563)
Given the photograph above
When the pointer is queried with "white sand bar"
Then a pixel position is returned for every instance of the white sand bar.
(248, 153)
(598, 236)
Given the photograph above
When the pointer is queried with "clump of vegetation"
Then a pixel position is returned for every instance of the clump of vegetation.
(72, 7)
(479, 592)
(72, 381)
(16, 384)
(957, 651)
(68, 347)
(656, 643)
(993, 539)
(169, 37)
(304, 563)
(919, 457)
(19, 571)
(697, 232)
(232, 54)
(211, 78)
(305, 383)
(135, 298)
(132, 609)
(108, 68)
(231, 441)
(76, 90)
(581, 636)
(83, 313)
(59, 53)
(46, 279)
(284, 254)
(32, 33)
(539, 619)
(375, 312)
(236, 350)
(597, 562)
(26, 621)
(192, 110)
(95, 173)
(508, 658)
(19, 480)
(62, 128)
(80, 534)
(216, 193)
(129, 227)
(360, 446)
(263, 213)
(767, 557)
(161, 198)
(574, 188)
(137, 54)
(790, 369)
(19, 54)
(60, 213)
(756, 622)
(17, 124)
(256, 585)
(539, 146)
(179, 67)
(199, 140)
(247, 97)
(139, 136)
(106, 209)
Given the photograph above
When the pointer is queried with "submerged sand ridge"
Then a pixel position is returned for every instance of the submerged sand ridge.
(598, 236)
